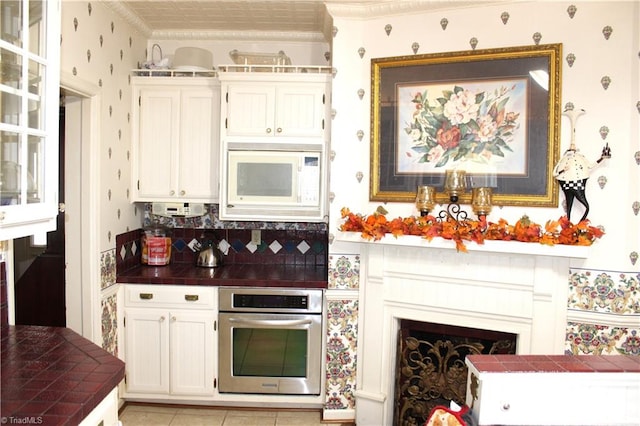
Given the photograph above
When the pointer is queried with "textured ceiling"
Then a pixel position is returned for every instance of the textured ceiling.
(236, 15)
(306, 18)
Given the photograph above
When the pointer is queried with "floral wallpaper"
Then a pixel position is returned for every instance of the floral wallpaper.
(591, 339)
(605, 292)
(107, 268)
(342, 332)
(110, 324)
(597, 298)
(344, 271)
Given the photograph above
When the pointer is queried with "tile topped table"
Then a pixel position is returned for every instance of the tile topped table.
(53, 375)
(554, 389)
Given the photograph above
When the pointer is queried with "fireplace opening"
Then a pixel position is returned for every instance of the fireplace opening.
(430, 367)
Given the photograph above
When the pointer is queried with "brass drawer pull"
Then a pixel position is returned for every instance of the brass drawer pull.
(146, 296)
(191, 297)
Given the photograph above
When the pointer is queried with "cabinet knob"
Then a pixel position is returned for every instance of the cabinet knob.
(183, 192)
(172, 192)
(173, 319)
(268, 129)
(279, 130)
(505, 406)
(162, 318)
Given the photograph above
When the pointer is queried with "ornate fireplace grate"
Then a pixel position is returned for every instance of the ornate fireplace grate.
(430, 366)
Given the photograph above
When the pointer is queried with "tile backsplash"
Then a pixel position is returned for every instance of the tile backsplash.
(284, 247)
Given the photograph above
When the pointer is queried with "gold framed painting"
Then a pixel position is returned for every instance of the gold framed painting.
(494, 113)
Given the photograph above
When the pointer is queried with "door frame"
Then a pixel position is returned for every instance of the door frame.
(83, 272)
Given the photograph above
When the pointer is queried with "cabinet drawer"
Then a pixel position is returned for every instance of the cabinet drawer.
(166, 296)
(547, 398)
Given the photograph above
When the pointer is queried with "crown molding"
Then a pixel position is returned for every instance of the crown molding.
(379, 9)
(237, 35)
(130, 17)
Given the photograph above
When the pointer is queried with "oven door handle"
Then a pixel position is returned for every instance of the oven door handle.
(275, 322)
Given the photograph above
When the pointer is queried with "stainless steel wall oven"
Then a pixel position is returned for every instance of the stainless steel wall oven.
(270, 340)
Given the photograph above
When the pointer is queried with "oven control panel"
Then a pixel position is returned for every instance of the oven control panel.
(270, 300)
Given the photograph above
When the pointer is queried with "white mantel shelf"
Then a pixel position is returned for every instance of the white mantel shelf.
(505, 247)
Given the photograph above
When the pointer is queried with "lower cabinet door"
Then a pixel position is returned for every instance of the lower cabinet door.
(147, 350)
(192, 352)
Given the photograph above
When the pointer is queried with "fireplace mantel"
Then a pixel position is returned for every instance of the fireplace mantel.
(514, 247)
(506, 286)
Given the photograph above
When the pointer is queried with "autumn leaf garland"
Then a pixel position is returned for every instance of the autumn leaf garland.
(561, 231)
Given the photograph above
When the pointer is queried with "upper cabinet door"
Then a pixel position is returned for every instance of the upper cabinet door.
(300, 110)
(29, 103)
(176, 131)
(275, 109)
(250, 110)
(200, 118)
(158, 147)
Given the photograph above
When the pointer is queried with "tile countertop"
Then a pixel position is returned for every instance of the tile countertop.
(53, 375)
(254, 275)
(555, 363)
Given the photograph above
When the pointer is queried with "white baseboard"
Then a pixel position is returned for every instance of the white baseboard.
(346, 415)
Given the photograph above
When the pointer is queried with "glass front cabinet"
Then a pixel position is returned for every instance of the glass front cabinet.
(29, 105)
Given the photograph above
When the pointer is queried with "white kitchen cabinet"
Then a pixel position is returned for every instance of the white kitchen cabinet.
(29, 106)
(170, 344)
(191, 352)
(175, 139)
(147, 350)
(277, 105)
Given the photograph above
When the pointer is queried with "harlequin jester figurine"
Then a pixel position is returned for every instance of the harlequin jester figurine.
(573, 169)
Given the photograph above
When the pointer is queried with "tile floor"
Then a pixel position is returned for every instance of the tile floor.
(154, 415)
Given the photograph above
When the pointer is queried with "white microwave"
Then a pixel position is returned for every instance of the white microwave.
(266, 183)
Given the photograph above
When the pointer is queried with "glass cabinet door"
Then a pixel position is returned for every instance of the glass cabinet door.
(29, 91)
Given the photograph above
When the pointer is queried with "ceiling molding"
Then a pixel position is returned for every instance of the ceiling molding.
(379, 9)
(130, 17)
(237, 35)
(179, 34)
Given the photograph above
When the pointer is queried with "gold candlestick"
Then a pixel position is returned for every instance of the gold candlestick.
(454, 183)
(425, 199)
(481, 201)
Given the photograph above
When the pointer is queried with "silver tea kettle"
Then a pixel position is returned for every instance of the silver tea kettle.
(209, 255)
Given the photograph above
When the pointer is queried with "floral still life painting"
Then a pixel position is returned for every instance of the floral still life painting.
(492, 113)
(475, 125)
